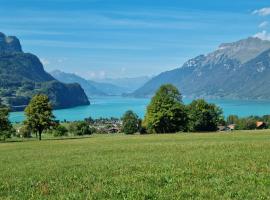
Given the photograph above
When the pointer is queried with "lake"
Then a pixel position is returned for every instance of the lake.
(116, 106)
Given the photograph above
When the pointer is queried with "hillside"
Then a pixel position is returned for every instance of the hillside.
(22, 75)
(235, 70)
(91, 88)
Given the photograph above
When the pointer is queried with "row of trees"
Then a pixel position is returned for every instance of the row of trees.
(167, 113)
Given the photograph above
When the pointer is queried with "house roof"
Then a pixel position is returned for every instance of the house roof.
(259, 124)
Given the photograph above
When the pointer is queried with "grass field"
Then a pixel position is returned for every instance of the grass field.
(173, 166)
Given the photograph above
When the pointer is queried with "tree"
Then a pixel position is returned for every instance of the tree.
(204, 116)
(166, 112)
(39, 115)
(232, 119)
(6, 128)
(130, 122)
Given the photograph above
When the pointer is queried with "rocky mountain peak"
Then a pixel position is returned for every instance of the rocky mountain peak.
(9, 43)
(243, 50)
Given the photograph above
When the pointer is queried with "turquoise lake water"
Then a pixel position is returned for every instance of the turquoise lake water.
(116, 106)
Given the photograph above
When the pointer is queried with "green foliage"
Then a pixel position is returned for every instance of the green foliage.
(6, 128)
(248, 123)
(232, 119)
(80, 128)
(166, 112)
(24, 132)
(130, 122)
(60, 131)
(204, 116)
(39, 115)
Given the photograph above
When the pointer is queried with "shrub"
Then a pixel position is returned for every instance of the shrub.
(24, 132)
(80, 128)
(59, 131)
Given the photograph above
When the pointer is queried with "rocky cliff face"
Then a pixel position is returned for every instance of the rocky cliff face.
(22, 75)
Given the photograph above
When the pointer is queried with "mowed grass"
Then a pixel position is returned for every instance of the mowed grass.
(173, 166)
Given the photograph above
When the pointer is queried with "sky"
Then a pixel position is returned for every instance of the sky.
(99, 39)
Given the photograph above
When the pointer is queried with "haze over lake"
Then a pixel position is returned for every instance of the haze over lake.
(115, 107)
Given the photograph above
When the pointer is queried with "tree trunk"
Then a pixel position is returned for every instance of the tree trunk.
(39, 135)
(36, 135)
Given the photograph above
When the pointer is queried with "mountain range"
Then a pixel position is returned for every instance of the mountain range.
(22, 75)
(104, 87)
(129, 84)
(90, 87)
(238, 70)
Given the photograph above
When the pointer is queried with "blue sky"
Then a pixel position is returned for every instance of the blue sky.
(128, 38)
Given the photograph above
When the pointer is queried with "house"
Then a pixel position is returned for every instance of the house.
(231, 127)
(222, 128)
(260, 125)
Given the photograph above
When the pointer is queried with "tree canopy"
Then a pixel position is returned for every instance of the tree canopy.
(130, 122)
(5, 125)
(39, 115)
(204, 116)
(166, 112)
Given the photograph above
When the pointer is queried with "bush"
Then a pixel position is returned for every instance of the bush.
(80, 128)
(59, 131)
(23, 132)
(248, 123)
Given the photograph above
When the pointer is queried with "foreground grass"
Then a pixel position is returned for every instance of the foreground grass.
(179, 166)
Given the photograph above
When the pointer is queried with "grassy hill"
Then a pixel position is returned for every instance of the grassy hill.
(176, 166)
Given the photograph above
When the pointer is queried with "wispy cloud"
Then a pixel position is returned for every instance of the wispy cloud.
(263, 24)
(262, 12)
(264, 35)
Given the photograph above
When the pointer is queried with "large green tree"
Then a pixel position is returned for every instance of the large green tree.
(166, 112)
(6, 128)
(39, 115)
(204, 116)
(130, 122)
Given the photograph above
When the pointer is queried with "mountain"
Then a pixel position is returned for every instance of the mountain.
(22, 75)
(130, 84)
(234, 70)
(91, 88)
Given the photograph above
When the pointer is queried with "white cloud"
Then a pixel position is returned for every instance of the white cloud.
(264, 35)
(263, 24)
(262, 12)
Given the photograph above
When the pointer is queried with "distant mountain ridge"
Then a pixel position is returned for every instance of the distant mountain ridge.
(130, 84)
(22, 75)
(91, 88)
(235, 70)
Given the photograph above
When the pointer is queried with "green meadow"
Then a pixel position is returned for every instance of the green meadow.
(167, 166)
